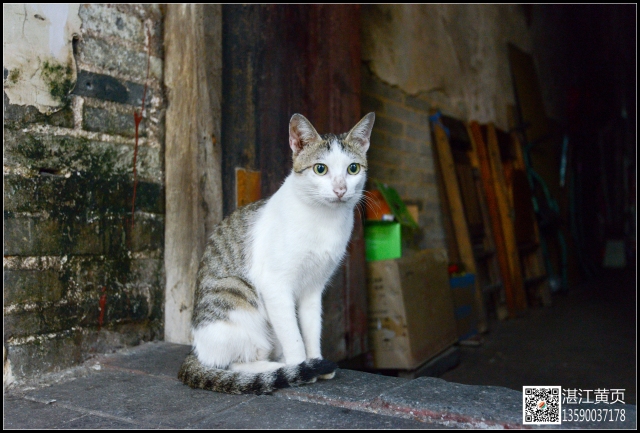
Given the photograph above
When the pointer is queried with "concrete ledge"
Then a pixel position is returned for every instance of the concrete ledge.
(138, 388)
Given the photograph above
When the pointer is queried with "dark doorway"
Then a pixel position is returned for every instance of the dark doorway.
(279, 60)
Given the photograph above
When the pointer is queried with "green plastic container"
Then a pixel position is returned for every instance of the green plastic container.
(382, 240)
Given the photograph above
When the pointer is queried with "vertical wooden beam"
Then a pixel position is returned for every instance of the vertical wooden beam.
(192, 154)
(533, 263)
(456, 210)
(494, 265)
(501, 223)
(487, 181)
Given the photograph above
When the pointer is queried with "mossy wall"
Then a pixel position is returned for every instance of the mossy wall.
(79, 277)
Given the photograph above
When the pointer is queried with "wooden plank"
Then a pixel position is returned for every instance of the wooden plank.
(533, 263)
(447, 223)
(492, 203)
(528, 93)
(192, 157)
(506, 218)
(456, 211)
(493, 266)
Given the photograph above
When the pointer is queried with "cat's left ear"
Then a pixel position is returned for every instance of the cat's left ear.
(361, 133)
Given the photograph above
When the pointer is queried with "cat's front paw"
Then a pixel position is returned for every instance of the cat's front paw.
(324, 368)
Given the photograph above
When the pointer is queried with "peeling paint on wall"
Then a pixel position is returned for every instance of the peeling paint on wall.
(454, 54)
(38, 53)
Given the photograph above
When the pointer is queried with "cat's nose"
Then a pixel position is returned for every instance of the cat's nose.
(340, 191)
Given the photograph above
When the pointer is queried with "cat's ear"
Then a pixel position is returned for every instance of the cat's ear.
(301, 133)
(361, 133)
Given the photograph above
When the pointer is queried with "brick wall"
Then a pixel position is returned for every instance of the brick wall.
(401, 154)
(78, 279)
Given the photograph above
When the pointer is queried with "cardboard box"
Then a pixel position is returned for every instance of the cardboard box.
(382, 240)
(410, 309)
(464, 303)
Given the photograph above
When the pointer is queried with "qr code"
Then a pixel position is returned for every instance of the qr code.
(541, 404)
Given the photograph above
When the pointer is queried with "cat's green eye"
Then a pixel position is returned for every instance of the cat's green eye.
(320, 169)
(354, 168)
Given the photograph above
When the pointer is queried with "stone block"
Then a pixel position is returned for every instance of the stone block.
(18, 324)
(26, 285)
(150, 197)
(148, 233)
(116, 58)
(44, 355)
(17, 116)
(93, 161)
(108, 88)
(36, 235)
(29, 236)
(107, 21)
(111, 122)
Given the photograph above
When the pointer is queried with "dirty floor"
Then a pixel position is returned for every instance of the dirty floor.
(586, 340)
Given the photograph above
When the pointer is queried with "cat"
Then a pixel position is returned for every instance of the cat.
(257, 311)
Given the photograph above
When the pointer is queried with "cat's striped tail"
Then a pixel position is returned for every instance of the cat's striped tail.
(197, 375)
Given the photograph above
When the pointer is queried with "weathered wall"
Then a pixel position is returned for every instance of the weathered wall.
(456, 55)
(78, 278)
(453, 58)
(401, 154)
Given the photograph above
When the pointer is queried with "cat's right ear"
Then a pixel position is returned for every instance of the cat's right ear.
(361, 133)
(301, 133)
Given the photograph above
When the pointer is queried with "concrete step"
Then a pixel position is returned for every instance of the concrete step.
(138, 388)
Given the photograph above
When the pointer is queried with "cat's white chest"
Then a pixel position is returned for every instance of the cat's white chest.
(298, 246)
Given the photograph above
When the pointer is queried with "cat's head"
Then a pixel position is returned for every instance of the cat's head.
(330, 169)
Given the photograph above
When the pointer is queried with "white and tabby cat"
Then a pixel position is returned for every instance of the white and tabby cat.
(257, 313)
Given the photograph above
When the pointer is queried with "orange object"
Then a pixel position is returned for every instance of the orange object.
(247, 186)
(376, 205)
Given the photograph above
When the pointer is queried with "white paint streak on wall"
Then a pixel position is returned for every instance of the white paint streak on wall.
(34, 34)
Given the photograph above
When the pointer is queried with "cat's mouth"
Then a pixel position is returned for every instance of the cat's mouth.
(337, 200)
